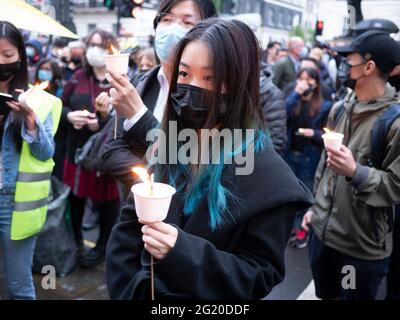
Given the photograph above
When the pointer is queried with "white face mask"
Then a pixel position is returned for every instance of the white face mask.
(95, 57)
(167, 38)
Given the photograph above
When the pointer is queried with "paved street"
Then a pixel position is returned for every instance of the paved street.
(85, 284)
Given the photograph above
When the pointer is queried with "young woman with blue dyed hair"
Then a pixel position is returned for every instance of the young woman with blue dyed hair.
(225, 234)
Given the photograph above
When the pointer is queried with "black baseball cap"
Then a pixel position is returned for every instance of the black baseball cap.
(375, 45)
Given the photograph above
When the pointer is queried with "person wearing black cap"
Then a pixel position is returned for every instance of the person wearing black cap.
(352, 217)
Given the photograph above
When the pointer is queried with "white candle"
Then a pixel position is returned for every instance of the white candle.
(152, 199)
(332, 139)
(117, 62)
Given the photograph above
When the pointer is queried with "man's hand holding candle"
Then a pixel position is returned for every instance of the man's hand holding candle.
(341, 161)
(124, 96)
(159, 238)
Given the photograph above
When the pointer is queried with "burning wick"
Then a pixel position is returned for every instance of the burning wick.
(145, 177)
(327, 131)
(114, 50)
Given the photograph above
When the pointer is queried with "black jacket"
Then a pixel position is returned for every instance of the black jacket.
(119, 156)
(244, 259)
(274, 110)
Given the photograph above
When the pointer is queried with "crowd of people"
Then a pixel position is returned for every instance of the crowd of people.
(225, 235)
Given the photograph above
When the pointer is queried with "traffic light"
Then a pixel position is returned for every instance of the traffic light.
(131, 8)
(319, 28)
(110, 4)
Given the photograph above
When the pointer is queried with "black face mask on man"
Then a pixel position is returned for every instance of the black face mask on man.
(343, 74)
(7, 70)
(188, 102)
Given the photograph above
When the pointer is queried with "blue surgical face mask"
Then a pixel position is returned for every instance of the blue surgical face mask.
(45, 75)
(167, 38)
(30, 52)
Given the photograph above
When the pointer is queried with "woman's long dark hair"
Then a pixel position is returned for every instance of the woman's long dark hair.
(235, 61)
(316, 100)
(20, 80)
(206, 8)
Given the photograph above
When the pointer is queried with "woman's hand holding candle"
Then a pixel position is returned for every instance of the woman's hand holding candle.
(159, 238)
(341, 161)
(124, 97)
(102, 104)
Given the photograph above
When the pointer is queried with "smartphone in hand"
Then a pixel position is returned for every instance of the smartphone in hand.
(4, 108)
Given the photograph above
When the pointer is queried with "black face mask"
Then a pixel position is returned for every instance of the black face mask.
(76, 60)
(189, 104)
(65, 60)
(8, 70)
(308, 91)
(343, 74)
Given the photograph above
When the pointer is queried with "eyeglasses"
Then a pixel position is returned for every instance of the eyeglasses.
(167, 19)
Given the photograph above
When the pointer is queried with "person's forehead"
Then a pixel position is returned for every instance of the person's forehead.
(5, 44)
(185, 9)
(354, 56)
(196, 55)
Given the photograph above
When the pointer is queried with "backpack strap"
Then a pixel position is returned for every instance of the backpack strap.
(338, 114)
(379, 134)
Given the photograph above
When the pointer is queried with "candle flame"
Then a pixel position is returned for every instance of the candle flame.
(327, 131)
(142, 173)
(43, 85)
(114, 50)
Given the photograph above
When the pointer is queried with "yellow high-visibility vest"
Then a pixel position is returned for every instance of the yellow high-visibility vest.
(33, 182)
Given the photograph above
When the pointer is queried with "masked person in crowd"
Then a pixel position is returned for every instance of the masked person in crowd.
(307, 114)
(356, 187)
(210, 246)
(73, 58)
(26, 150)
(83, 121)
(34, 53)
(285, 71)
(49, 70)
(327, 87)
(174, 19)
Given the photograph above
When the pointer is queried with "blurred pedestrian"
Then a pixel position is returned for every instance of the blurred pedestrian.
(80, 112)
(72, 58)
(34, 53)
(272, 52)
(49, 70)
(285, 71)
(307, 114)
(147, 59)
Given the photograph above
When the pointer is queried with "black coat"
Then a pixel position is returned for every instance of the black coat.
(119, 156)
(244, 259)
(273, 108)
